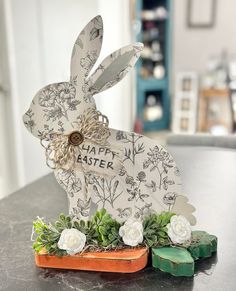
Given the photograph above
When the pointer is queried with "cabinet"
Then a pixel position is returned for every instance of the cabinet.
(153, 68)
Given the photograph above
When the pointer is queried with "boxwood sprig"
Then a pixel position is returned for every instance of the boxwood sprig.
(155, 229)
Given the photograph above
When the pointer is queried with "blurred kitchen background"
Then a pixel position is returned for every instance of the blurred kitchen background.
(183, 88)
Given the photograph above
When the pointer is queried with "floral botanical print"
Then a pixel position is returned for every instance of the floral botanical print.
(128, 174)
(161, 161)
(105, 190)
(144, 211)
(134, 190)
(88, 61)
(58, 100)
(124, 213)
(30, 119)
(82, 209)
(69, 181)
(169, 199)
(136, 146)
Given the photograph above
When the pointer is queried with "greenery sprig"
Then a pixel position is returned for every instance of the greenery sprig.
(155, 230)
(102, 232)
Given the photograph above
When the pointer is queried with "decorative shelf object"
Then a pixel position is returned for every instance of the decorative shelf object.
(152, 70)
(215, 111)
(185, 103)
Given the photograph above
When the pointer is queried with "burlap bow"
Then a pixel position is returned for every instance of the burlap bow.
(61, 152)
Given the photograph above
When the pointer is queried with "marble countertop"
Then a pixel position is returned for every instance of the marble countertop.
(209, 180)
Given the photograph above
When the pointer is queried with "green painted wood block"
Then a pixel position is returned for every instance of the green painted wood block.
(174, 260)
(202, 245)
(180, 261)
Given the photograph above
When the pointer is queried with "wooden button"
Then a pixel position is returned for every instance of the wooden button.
(76, 138)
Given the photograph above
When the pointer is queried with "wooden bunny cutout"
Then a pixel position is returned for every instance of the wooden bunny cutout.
(99, 167)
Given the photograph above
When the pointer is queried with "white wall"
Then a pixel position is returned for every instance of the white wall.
(2, 108)
(8, 158)
(3, 149)
(192, 47)
(40, 35)
(43, 34)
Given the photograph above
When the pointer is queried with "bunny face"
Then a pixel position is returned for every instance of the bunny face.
(53, 110)
(56, 107)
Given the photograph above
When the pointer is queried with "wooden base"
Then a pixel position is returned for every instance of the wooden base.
(121, 261)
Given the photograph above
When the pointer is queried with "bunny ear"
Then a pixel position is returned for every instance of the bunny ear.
(87, 48)
(114, 68)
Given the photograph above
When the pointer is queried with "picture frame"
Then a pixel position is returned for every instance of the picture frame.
(215, 111)
(185, 103)
(201, 13)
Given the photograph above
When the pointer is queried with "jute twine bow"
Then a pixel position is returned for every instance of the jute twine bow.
(92, 126)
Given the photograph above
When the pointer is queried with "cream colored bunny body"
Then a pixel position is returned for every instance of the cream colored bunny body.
(126, 173)
(148, 179)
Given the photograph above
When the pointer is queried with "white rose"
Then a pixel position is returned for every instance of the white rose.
(132, 232)
(72, 240)
(179, 229)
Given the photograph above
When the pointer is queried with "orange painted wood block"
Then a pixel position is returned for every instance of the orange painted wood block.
(120, 261)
